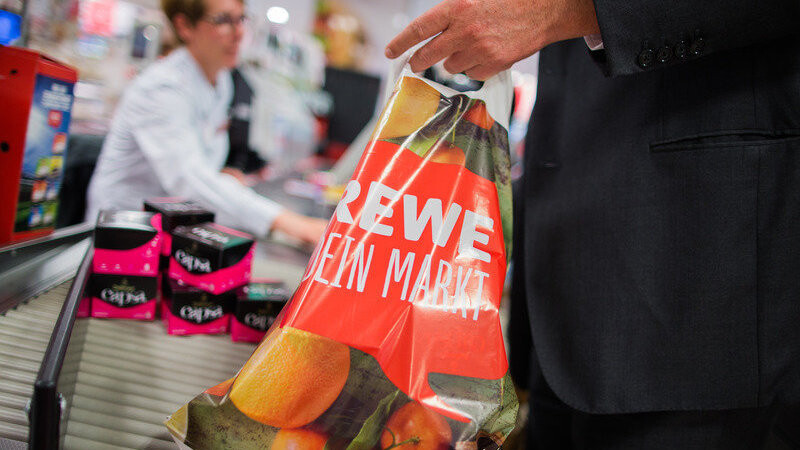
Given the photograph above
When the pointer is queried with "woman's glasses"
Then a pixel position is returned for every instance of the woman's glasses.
(224, 19)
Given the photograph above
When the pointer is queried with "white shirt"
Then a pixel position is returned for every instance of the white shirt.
(169, 137)
(594, 42)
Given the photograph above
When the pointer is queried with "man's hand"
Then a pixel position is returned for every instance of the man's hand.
(484, 37)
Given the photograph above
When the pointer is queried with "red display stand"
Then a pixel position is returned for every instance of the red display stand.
(37, 94)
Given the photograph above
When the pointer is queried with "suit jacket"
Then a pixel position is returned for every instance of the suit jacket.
(660, 233)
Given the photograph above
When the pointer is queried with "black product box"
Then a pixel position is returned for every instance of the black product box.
(123, 296)
(211, 257)
(175, 212)
(127, 243)
(257, 306)
(189, 310)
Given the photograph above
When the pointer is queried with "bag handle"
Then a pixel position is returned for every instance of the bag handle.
(496, 92)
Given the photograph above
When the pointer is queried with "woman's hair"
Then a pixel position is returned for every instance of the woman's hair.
(192, 9)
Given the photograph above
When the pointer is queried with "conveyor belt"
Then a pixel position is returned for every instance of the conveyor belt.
(120, 384)
(106, 384)
(24, 334)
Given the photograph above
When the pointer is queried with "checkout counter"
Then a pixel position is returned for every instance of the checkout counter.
(106, 384)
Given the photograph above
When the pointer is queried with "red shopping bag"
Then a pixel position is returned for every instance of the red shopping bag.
(393, 338)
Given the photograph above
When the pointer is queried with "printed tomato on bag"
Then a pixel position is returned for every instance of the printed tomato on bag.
(392, 339)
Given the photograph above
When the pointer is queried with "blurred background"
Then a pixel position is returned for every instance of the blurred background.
(313, 55)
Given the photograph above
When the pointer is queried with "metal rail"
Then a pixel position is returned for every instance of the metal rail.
(29, 268)
(46, 403)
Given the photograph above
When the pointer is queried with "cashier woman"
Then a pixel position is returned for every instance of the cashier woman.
(169, 134)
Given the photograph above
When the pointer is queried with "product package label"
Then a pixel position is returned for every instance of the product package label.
(43, 160)
(123, 296)
(211, 257)
(258, 315)
(200, 307)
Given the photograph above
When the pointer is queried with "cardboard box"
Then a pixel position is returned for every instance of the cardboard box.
(127, 243)
(36, 94)
(257, 306)
(211, 257)
(115, 296)
(175, 212)
(189, 310)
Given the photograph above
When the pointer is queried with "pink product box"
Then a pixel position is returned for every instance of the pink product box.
(189, 310)
(257, 306)
(127, 243)
(84, 308)
(123, 296)
(211, 257)
(175, 212)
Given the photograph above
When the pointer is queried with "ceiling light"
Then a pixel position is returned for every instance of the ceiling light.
(276, 14)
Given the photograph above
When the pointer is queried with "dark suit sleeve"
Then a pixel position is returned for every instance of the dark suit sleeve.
(642, 35)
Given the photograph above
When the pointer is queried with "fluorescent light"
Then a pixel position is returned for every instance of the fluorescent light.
(276, 14)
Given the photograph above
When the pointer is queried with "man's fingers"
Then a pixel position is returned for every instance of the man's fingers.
(467, 72)
(481, 73)
(429, 24)
(434, 51)
(459, 62)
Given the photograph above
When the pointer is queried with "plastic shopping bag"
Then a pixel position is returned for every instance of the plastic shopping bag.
(392, 339)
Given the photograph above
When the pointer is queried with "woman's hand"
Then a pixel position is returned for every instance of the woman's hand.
(304, 228)
(240, 176)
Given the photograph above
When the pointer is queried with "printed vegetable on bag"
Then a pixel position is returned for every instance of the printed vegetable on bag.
(392, 339)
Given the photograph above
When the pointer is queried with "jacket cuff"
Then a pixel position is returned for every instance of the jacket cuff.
(653, 34)
(639, 37)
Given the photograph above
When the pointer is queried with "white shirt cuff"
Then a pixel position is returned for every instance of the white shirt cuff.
(594, 42)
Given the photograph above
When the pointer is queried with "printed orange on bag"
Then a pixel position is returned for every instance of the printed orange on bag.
(291, 379)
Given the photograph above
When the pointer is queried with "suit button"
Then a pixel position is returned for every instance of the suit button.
(697, 46)
(664, 54)
(681, 50)
(646, 58)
